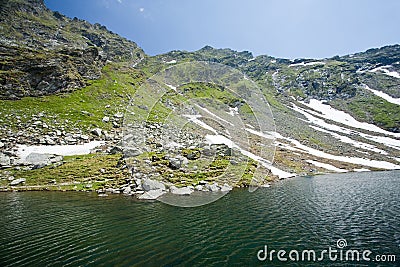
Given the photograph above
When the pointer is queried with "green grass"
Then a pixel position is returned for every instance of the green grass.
(99, 170)
(116, 83)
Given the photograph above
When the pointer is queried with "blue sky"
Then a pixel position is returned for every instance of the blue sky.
(280, 28)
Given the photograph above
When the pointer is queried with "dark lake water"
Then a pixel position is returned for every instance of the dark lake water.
(306, 213)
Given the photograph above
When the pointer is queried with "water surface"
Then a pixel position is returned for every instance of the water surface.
(81, 229)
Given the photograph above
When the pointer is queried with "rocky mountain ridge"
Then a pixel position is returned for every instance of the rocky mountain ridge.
(71, 83)
(44, 52)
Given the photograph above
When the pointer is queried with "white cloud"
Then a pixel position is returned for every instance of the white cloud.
(141, 9)
(119, 1)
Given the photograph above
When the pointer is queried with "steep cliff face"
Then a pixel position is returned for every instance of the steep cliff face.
(43, 52)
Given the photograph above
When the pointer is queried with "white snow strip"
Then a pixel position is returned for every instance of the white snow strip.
(233, 111)
(171, 86)
(326, 166)
(269, 135)
(348, 140)
(387, 141)
(353, 160)
(62, 150)
(307, 64)
(342, 117)
(362, 170)
(214, 115)
(195, 119)
(219, 139)
(385, 70)
(320, 122)
(387, 97)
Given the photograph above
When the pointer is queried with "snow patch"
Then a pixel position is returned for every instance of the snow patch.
(171, 86)
(195, 119)
(385, 70)
(307, 64)
(62, 150)
(233, 111)
(342, 117)
(326, 166)
(353, 160)
(362, 170)
(348, 140)
(387, 97)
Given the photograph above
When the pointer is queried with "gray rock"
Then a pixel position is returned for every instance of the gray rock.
(17, 181)
(41, 160)
(213, 187)
(4, 160)
(106, 119)
(175, 163)
(148, 184)
(131, 152)
(127, 190)
(181, 191)
(226, 188)
(184, 161)
(96, 131)
(119, 115)
(198, 187)
(152, 194)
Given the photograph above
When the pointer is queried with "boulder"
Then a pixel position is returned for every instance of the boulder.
(148, 185)
(199, 187)
(152, 194)
(127, 190)
(96, 132)
(212, 187)
(17, 181)
(226, 188)
(4, 160)
(131, 152)
(40, 160)
(181, 191)
(175, 163)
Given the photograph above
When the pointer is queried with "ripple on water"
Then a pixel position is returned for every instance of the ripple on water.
(75, 229)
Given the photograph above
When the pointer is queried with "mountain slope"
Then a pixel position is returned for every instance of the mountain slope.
(70, 83)
(43, 52)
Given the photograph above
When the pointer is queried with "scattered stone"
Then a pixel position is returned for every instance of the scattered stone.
(226, 188)
(127, 190)
(17, 181)
(202, 182)
(175, 163)
(119, 115)
(213, 187)
(84, 112)
(106, 119)
(131, 152)
(180, 191)
(40, 160)
(4, 160)
(152, 194)
(102, 195)
(199, 187)
(148, 185)
(96, 131)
